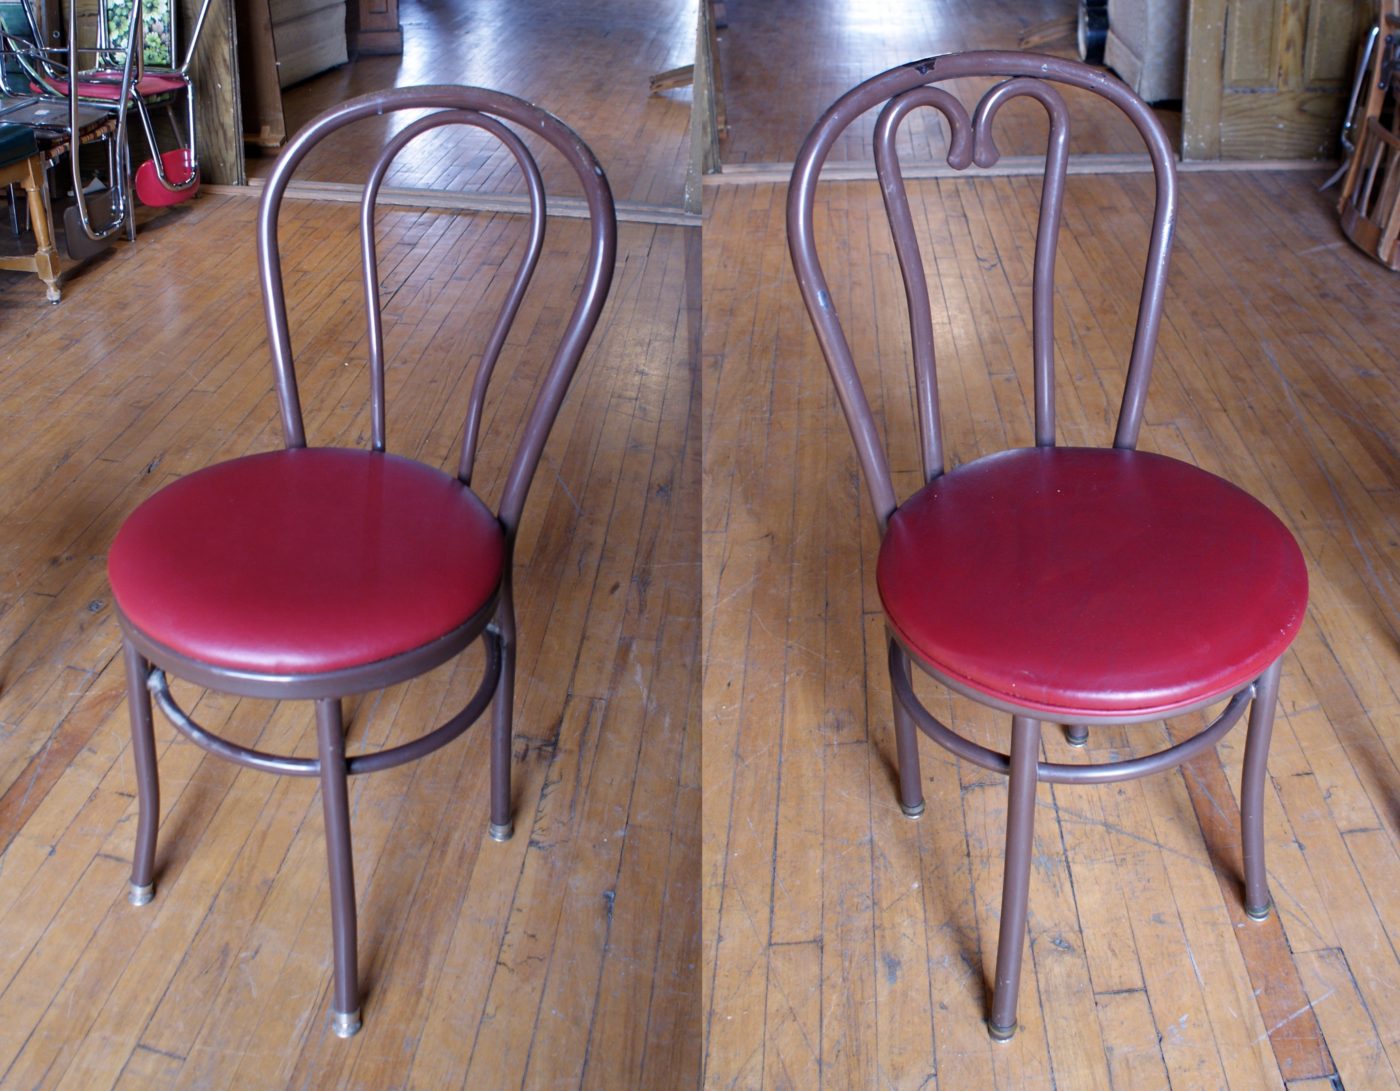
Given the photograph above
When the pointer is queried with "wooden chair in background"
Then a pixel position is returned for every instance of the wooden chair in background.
(1064, 584)
(1370, 201)
(316, 573)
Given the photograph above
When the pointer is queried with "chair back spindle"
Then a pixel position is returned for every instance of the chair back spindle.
(487, 111)
(971, 141)
(535, 185)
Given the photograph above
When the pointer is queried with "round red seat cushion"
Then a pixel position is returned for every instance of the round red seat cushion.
(307, 560)
(1093, 582)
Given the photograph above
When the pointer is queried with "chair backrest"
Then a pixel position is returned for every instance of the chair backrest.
(157, 29)
(487, 111)
(1370, 201)
(902, 90)
(19, 43)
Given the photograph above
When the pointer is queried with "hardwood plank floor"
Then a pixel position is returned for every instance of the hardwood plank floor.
(587, 61)
(782, 66)
(567, 957)
(846, 946)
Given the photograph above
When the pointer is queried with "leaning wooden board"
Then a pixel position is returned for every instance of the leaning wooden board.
(310, 37)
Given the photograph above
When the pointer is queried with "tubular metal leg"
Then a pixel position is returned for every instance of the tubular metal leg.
(502, 827)
(1077, 734)
(335, 803)
(1020, 827)
(906, 741)
(1257, 902)
(143, 750)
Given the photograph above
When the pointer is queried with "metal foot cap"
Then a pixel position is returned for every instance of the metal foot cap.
(502, 831)
(1259, 913)
(914, 811)
(1000, 1034)
(1077, 736)
(345, 1024)
(140, 895)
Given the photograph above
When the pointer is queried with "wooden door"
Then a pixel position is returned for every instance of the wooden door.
(1269, 79)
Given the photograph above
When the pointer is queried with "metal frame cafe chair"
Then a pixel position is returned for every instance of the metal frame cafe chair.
(167, 177)
(1069, 585)
(25, 62)
(132, 70)
(316, 573)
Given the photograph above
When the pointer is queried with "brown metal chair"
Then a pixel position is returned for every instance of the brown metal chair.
(1061, 584)
(316, 573)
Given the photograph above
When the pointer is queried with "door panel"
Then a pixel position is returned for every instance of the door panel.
(1268, 79)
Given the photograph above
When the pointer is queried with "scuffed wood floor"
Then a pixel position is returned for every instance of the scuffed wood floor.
(567, 957)
(783, 66)
(589, 61)
(846, 946)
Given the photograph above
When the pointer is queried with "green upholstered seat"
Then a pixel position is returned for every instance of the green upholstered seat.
(16, 144)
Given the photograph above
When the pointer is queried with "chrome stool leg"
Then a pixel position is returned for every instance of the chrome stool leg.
(906, 741)
(1257, 901)
(502, 826)
(1015, 891)
(143, 751)
(335, 803)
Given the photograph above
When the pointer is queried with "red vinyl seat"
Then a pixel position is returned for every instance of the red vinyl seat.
(306, 560)
(1026, 576)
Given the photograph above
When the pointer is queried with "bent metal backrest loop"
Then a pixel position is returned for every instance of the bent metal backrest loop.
(485, 110)
(370, 266)
(902, 90)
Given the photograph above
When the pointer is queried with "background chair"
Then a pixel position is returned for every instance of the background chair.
(28, 68)
(1064, 584)
(316, 573)
(1370, 200)
(129, 68)
(167, 177)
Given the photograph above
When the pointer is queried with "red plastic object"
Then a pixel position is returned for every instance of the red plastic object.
(306, 560)
(177, 168)
(1091, 581)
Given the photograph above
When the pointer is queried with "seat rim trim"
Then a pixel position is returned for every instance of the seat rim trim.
(341, 682)
(1069, 713)
(1062, 773)
(1252, 667)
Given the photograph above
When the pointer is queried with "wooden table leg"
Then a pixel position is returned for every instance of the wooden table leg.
(41, 216)
(44, 260)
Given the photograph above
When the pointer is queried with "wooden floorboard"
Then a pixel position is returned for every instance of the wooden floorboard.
(547, 961)
(589, 61)
(783, 66)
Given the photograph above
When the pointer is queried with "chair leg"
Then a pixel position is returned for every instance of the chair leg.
(906, 742)
(143, 750)
(1077, 734)
(503, 705)
(1015, 890)
(335, 803)
(1257, 902)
